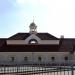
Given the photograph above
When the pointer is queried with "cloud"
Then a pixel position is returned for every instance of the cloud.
(49, 3)
(23, 2)
(65, 3)
(38, 3)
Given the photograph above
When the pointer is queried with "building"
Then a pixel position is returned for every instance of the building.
(36, 53)
(34, 47)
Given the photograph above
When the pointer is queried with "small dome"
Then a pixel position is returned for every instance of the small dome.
(32, 24)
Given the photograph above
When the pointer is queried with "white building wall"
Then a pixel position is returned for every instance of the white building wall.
(46, 56)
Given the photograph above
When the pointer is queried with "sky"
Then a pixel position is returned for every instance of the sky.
(56, 17)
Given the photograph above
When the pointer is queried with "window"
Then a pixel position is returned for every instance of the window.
(66, 58)
(33, 41)
(12, 59)
(26, 59)
(52, 58)
(39, 58)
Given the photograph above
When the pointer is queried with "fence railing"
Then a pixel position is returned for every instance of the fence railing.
(32, 68)
(67, 63)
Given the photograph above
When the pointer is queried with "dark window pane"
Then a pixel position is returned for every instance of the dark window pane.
(25, 58)
(66, 58)
(12, 59)
(52, 58)
(39, 59)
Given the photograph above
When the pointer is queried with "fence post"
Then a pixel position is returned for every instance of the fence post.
(72, 72)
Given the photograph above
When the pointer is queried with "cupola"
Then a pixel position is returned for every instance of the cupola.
(33, 28)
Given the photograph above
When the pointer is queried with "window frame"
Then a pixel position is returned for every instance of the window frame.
(26, 59)
(12, 59)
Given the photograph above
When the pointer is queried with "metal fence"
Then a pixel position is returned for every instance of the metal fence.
(52, 68)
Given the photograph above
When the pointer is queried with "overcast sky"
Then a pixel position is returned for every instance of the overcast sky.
(56, 17)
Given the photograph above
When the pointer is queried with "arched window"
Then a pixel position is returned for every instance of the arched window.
(33, 41)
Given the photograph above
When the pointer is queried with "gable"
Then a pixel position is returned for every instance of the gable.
(31, 37)
(24, 38)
